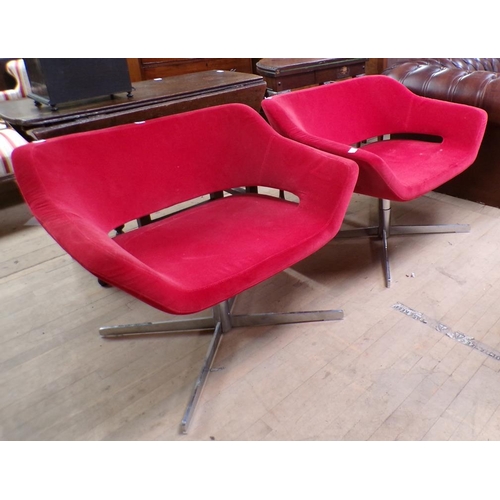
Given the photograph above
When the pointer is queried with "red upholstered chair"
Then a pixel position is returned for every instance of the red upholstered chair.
(405, 145)
(201, 255)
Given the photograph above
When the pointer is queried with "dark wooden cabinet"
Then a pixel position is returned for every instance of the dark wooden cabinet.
(375, 66)
(285, 74)
(149, 69)
(150, 99)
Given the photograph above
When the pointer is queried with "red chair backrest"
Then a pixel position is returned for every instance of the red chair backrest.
(115, 175)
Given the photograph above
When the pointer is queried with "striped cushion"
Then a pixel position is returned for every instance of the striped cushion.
(9, 140)
(17, 70)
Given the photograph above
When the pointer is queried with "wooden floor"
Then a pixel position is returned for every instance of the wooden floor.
(378, 374)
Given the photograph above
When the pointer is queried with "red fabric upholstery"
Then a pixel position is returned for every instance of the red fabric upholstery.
(336, 116)
(82, 186)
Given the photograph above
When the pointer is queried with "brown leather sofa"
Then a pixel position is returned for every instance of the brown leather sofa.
(472, 81)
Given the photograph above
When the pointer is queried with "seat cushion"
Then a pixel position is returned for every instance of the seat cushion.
(417, 167)
(223, 247)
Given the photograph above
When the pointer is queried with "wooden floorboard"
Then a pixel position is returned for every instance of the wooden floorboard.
(376, 375)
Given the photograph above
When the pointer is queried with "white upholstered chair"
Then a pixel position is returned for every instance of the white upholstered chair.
(17, 69)
(9, 138)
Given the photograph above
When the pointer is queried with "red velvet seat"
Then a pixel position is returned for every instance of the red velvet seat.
(82, 186)
(405, 145)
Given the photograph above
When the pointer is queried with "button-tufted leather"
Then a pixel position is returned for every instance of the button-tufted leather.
(473, 81)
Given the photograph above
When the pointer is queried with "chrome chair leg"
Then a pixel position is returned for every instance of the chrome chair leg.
(222, 321)
(385, 259)
(175, 325)
(431, 229)
(384, 207)
(202, 378)
(286, 318)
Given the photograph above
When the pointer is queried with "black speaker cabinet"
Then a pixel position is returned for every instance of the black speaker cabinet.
(59, 81)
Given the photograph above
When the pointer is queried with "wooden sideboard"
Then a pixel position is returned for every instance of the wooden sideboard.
(150, 99)
(283, 75)
(148, 69)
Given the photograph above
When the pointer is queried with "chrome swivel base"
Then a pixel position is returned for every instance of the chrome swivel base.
(385, 229)
(222, 321)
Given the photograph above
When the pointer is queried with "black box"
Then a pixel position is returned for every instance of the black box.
(58, 81)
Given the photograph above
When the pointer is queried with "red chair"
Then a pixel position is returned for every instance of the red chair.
(82, 186)
(405, 145)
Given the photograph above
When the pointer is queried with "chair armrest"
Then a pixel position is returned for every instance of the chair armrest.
(456, 123)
